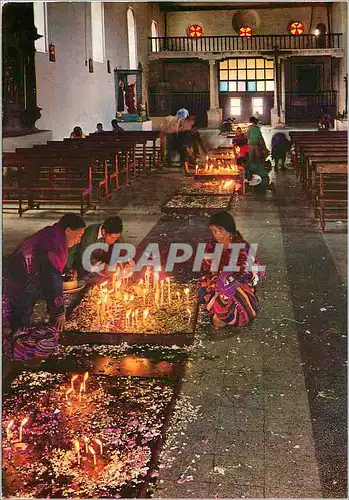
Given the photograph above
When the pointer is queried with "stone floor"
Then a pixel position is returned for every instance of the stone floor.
(270, 400)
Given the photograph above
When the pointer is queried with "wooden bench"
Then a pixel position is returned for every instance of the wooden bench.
(47, 188)
(333, 193)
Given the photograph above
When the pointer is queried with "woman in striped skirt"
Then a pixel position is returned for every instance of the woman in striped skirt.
(230, 296)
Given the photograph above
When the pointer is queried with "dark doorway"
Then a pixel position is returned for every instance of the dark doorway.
(308, 79)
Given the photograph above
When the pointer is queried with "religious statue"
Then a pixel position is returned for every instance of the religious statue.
(121, 96)
(130, 99)
(10, 87)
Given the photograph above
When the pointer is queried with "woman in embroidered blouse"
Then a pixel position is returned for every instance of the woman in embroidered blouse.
(230, 296)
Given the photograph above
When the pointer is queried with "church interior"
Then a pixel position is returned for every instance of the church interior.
(159, 128)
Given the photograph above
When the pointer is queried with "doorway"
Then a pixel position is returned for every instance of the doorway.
(308, 79)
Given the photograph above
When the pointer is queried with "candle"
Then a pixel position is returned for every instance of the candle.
(84, 380)
(186, 293)
(81, 391)
(8, 429)
(140, 283)
(136, 318)
(162, 293)
(99, 306)
(145, 314)
(147, 278)
(128, 314)
(144, 295)
(189, 316)
(168, 290)
(125, 297)
(132, 318)
(99, 442)
(114, 280)
(93, 453)
(157, 298)
(74, 377)
(132, 298)
(156, 279)
(86, 443)
(77, 449)
(69, 391)
(23, 423)
(178, 295)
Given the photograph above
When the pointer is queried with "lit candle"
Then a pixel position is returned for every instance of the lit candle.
(69, 391)
(162, 293)
(189, 316)
(132, 298)
(132, 318)
(168, 290)
(86, 443)
(93, 453)
(140, 283)
(157, 298)
(136, 318)
(186, 293)
(145, 314)
(114, 280)
(99, 306)
(178, 295)
(125, 297)
(84, 380)
(128, 314)
(144, 295)
(99, 442)
(74, 377)
(77, 449)
(147, 278)
(8, 430)
(23, 423)
(156, 279)
(81, 391)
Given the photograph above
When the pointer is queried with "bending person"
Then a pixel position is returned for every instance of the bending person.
(230, 297)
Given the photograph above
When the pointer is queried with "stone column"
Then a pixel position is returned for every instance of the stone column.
(214, 114)
(275, 114)
(283, 90)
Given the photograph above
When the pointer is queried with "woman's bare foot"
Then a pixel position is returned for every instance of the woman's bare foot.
(217, 323)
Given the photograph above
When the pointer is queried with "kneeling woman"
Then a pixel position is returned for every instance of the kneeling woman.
(230, 297)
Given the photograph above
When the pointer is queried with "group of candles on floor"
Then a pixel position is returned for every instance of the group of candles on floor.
(69, 395)
(150, 286)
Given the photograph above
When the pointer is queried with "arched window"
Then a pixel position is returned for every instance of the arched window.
(154, 33)
(40, 20)
(132, 39)
(97, 28)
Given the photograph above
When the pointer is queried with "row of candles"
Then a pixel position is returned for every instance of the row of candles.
(151, 284)
(82, 389)
(88, 449)
(10, 429)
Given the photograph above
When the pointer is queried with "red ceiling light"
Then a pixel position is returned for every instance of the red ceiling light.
(52, 53)
(296, 28)
(245, 32)
(195, 31)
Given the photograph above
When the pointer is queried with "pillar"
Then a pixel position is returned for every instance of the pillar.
(214, 114)
(283, 90)
(276, 112)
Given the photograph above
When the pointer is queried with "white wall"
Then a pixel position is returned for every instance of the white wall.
(67, 93)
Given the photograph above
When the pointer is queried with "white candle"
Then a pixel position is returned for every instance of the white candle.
(99, 442)
(168, 290)
(8, 430)
(86, 443)
(186, 293)
(162, 293)
(84, 380)
(93, 453)
(145, 314)
(189, 316)
(23, 423)
(74, 377)
(69, 391)
(77, 449)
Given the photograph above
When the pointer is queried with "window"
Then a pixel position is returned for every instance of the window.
(246, 75)
(154, 34)
(235, 106)
(132, 39)
(257, 105)
(40, 21)
(97, 29)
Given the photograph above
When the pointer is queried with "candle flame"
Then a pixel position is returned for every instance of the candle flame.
(98, 441)
(69, 391)
(145, 313)
(186, 291)
(91, 450)
(85, 376)
(10, 424)
(74, 377)
(24, 421)
(126, 297)
(140, 282)
(77, 445)
(81, 387)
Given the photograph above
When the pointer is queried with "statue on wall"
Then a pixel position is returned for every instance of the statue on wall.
(10, 86)
(121, 96)
(130, 99)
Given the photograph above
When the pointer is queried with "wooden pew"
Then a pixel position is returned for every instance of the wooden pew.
(333, 192)
(48, 190)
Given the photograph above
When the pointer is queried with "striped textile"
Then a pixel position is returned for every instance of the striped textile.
(34, 342)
